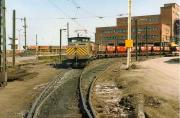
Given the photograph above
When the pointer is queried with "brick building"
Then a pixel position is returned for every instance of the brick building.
(156, 28)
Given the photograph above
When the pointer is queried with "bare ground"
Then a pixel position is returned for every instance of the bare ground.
(17, 98)
(151, 87)
(158, 81)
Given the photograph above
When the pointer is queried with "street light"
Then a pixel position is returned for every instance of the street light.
(60, 43)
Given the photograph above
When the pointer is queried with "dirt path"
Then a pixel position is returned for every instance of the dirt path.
(17, 97)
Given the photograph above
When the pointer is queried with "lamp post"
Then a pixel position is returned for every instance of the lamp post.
(60, 44)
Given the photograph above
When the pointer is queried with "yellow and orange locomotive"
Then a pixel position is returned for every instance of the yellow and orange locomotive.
(80, 50)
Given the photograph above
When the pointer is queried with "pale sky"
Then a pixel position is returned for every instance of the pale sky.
(45, 17)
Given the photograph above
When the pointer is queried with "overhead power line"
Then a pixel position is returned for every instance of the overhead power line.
(76, 11)
(54, 5)
(75, 18)
(82, 8)
(66, 15)
(94, 17)
(86, 11)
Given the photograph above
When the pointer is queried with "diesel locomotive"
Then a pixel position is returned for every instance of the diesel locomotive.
(79, 51)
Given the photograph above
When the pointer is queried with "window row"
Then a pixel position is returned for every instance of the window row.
(133, 30)
(152, 19)
(141, 20)
(133, 37)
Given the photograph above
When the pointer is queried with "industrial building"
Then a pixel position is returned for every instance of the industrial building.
(151, 29)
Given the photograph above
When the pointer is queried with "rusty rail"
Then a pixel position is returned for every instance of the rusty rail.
(50, 87)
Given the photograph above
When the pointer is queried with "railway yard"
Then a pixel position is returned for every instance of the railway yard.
(103, 89)
(72, 60)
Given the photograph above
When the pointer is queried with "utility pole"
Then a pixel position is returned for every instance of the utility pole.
(25, 34)
(37, 46)
(129, 33)
(1, 64)
(147, 51)
(3, 60)
(36, 40)
(136, 26)
(14, 38)
(60, 44)
(67, 30)
(4, 42)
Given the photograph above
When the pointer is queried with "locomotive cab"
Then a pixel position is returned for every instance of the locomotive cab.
(79, 50)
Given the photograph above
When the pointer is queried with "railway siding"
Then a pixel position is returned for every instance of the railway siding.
(46, 96)
(86, 81)
(105, 94)
(64, 101)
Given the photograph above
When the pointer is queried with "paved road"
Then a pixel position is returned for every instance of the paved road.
(163, 75)
(165, 66)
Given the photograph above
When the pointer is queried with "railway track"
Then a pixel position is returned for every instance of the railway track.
(68, 96)
(50, 88)
(71, 95)
(105, 94)
(86, 86)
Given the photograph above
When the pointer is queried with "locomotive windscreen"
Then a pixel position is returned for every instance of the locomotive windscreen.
(78, 39)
